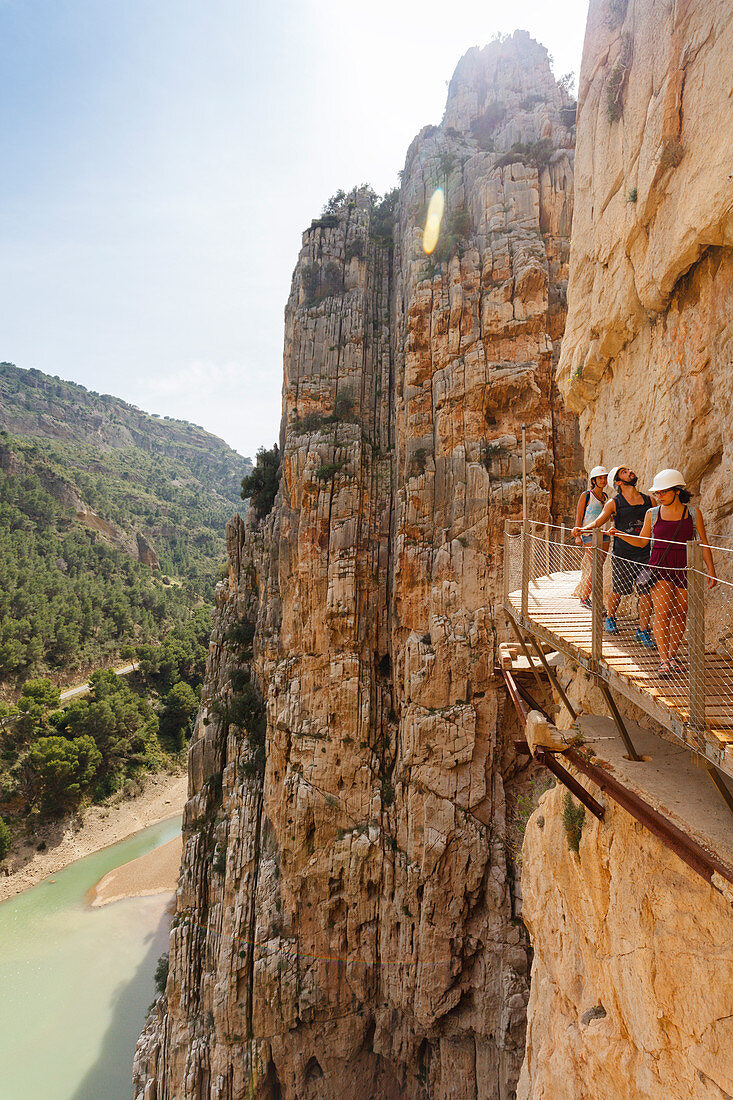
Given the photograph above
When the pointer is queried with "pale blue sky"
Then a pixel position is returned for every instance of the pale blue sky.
(161, 159)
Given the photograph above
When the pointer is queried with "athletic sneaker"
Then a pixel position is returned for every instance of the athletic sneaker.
(586, 603)
(644, 637)
(610, 626)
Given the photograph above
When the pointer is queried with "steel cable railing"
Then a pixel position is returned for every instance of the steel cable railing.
(663, 628)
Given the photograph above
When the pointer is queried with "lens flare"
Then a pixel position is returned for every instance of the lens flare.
(433, 220)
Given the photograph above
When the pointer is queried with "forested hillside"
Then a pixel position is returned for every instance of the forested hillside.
(111, 525)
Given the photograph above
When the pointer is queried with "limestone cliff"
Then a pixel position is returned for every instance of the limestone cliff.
(633, 969)
(346, 923)
(646, 355)
(631, 982)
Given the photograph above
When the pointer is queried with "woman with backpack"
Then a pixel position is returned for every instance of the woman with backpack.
(590, 505)
(669, 526)
(627, 510)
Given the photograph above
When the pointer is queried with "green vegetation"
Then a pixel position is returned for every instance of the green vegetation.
(343, 411)
(616, 13)
(321, 281)
(536, 153)
(68, 598)
(53, 760)
(632, 194)
(4, 840)
(484, 127)
(616, 81)
(573, 818)
(161, 974)
(102, 543)
(260, 487)
(329, 470)
(355, 249)
(63, 770)
(672, 153)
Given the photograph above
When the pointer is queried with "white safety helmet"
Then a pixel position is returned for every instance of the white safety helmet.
(614, 474)
(667, 479)
(597, 471)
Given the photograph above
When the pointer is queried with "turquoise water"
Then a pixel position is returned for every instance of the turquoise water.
(75, 982)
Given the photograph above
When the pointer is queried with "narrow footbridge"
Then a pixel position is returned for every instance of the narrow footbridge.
(545, 574)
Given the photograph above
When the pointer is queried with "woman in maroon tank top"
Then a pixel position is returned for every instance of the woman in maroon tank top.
(673, 527)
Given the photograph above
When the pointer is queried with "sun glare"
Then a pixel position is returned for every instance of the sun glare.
(433, 220)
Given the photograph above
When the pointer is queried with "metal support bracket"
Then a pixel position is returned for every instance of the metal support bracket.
(525, 651)
(720, 783)
(620, 726)
(553, 678)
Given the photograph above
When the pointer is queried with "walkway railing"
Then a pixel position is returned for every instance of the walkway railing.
(546, 574)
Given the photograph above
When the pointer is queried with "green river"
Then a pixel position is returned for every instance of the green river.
(75, 982)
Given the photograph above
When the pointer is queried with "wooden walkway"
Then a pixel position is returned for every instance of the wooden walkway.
(556, 616)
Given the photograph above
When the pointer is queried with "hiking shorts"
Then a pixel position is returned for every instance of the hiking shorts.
(624, 572)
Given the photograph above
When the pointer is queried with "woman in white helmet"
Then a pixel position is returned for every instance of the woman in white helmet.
(590, 506)
(670, 525)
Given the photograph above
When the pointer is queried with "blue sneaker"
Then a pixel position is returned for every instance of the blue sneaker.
(610, 626)
(644, 637)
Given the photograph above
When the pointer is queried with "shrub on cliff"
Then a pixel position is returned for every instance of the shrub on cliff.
(260, 487)
(4, 840)
(484, 127)
(161, 974)
(616, 81)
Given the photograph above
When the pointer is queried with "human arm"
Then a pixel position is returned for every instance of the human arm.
(706, 551)
(579, 513)
(635, 540)
(609, 509)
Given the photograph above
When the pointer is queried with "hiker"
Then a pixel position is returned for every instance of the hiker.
(590, 506)
(628, 509)
(671, 524)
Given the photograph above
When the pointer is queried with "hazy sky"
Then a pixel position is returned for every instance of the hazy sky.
(161, 158)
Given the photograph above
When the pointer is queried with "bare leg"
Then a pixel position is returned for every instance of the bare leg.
(678, 619)
(588, 586)
(613, 601)
(662, 597)
(645, 611)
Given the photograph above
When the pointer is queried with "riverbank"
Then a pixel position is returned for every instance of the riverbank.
(163, 796)
(154, 873)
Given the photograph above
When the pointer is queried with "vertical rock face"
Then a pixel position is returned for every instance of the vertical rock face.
(633, 968)
(646, 357)
(346, 924)
(631, 975)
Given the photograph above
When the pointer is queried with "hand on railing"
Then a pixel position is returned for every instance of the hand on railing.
(576, 535)
(712, 580)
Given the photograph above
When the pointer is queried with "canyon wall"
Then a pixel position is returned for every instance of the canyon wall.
(631, 979)
(647, 351)
(347, 921)
(633, 968)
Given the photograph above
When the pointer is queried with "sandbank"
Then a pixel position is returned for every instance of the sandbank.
(154, 873)
(164, 796)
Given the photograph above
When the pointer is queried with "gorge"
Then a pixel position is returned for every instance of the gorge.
(349, 918)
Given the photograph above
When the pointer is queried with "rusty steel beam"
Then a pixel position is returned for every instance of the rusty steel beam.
(550, 761)
(693, 854)
(705, 863)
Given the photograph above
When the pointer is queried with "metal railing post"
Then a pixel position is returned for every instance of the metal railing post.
(696, 640)
(525, 570)
(505, 567)
(547, 549)
(597, 596)
(563, 540)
